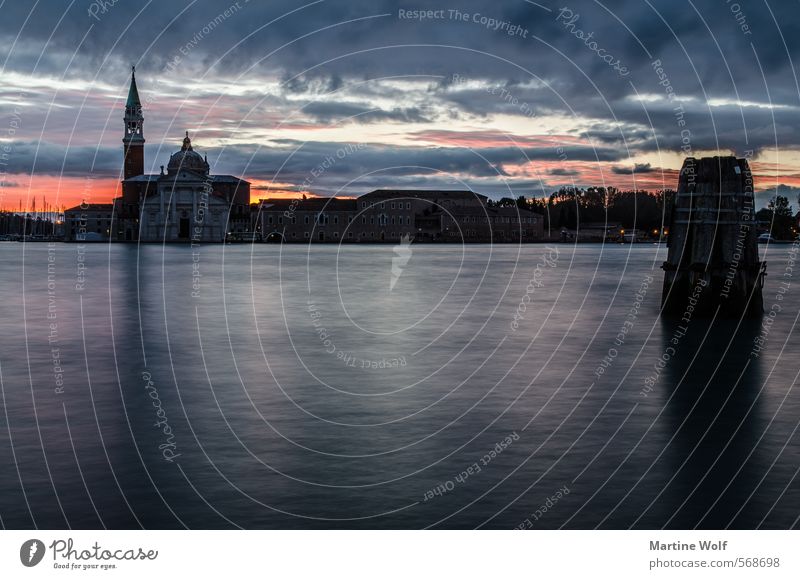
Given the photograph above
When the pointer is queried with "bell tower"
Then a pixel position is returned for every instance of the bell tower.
(133, 141)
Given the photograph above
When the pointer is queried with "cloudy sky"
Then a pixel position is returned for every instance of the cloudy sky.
(338, 97)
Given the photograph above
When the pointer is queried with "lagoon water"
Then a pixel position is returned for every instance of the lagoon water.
(293, 387)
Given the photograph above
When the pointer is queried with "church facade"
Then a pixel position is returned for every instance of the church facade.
(185, 203)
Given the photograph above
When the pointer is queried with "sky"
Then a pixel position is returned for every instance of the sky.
(334, 97)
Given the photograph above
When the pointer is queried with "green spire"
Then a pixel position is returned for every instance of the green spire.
(133, 93)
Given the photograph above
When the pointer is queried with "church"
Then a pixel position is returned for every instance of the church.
(185, 203)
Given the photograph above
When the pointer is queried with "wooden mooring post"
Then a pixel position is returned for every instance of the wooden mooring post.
(712, 261)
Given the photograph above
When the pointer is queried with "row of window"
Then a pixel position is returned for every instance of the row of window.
(323, 219)
(476, 219)
(382, 205)
(350, 235)
(499, 233)
(77, 216)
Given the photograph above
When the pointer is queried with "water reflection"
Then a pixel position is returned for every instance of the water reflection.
(711, 396)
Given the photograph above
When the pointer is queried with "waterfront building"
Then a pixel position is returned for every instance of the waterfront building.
(387, 215)
(304, 220)
(185, 203)
(89, 222)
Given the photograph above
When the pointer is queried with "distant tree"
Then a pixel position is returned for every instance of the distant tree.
(780, 217)
(780, 206)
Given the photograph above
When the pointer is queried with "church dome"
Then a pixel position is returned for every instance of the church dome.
(187, 158)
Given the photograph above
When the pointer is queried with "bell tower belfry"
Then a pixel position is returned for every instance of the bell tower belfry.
(133, 140)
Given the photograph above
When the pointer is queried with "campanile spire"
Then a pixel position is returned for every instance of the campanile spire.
(133, 139)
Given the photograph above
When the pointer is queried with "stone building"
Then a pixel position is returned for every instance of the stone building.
(305, 220)
(386, 215)
(89, 222)
(185, 203)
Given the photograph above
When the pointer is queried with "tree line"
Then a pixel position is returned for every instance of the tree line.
(570, 207)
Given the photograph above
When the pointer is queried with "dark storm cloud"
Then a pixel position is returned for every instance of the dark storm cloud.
(328, 111)
(637, 168)
(201, 30)
(43, 158)
(558, 172)
(328, 46)
(297, 159)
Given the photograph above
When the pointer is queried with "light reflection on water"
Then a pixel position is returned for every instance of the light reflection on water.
(301, 391)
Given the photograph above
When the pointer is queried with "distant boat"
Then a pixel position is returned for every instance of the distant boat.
(765, 238)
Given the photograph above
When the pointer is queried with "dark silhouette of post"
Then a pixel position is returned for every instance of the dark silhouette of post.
(713, 242)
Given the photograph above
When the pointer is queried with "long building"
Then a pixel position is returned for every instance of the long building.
(387, 215)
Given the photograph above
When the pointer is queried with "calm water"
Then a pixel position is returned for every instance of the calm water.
(269, 387)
